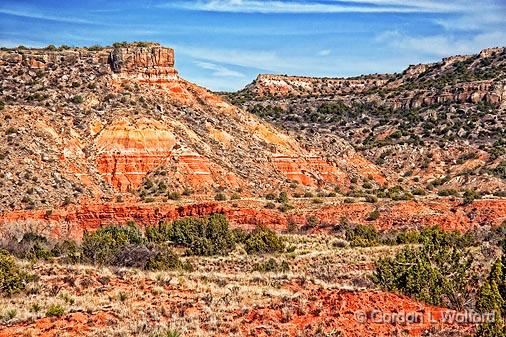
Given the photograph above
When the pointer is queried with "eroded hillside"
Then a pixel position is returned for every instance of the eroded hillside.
(437, 125)
(120, 123)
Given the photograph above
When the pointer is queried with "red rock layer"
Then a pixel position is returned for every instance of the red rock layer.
(127, 152)
(449, 215)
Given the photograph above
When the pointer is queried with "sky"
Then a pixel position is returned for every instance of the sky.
(224, 44)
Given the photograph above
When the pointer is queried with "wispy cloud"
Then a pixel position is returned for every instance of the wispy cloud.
(336, 6)
(486, 16)
(324, 52)
(33, 14)
(442, 45)
(219, 70)
(258, 59)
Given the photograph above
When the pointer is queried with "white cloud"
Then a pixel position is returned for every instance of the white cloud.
(485, 18)
(219, 70)
(259, 59)
(33, 14)
(324, 52)
(283, 6)
(443, 45)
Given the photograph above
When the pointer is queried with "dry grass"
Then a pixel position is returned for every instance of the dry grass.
(217, 299)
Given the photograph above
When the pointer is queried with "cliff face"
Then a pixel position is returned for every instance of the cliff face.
(128, 151)
(150, 64)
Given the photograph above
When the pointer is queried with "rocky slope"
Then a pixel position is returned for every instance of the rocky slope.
(434, 125)
(102, 124)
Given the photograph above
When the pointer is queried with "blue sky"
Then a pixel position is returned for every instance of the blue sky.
(224, 44)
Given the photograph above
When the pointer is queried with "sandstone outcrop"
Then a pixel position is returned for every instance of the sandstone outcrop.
(150, 64)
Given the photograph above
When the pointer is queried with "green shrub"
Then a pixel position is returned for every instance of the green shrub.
(55, 310)
(418, 191)
(270, 205)
(235, 196)
(282, 198)
(220, 197)
(271, 265)
(492, 298)
(68, 250)
(32, 246)
(408, 237)
(206, 236)
(308, 195)
(120, 44)
(362, 236)
(164, 259)
(437, 273)
(11, 130)
(12, 279)
(102, 246)
(371, 198)
(166, 333)
(312, 221)
(448, 192)
(78, 99)
(374, 215)
(470, 196)
(285, 207)
(270, 196)
(240, 235)
(263, 240)
(10, 314)
(174, 195)
(492, 329)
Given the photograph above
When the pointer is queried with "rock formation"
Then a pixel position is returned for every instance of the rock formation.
(120, 123)
(118, 129)
(150, 64)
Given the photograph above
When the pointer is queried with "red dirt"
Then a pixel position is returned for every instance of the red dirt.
(352, 313)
